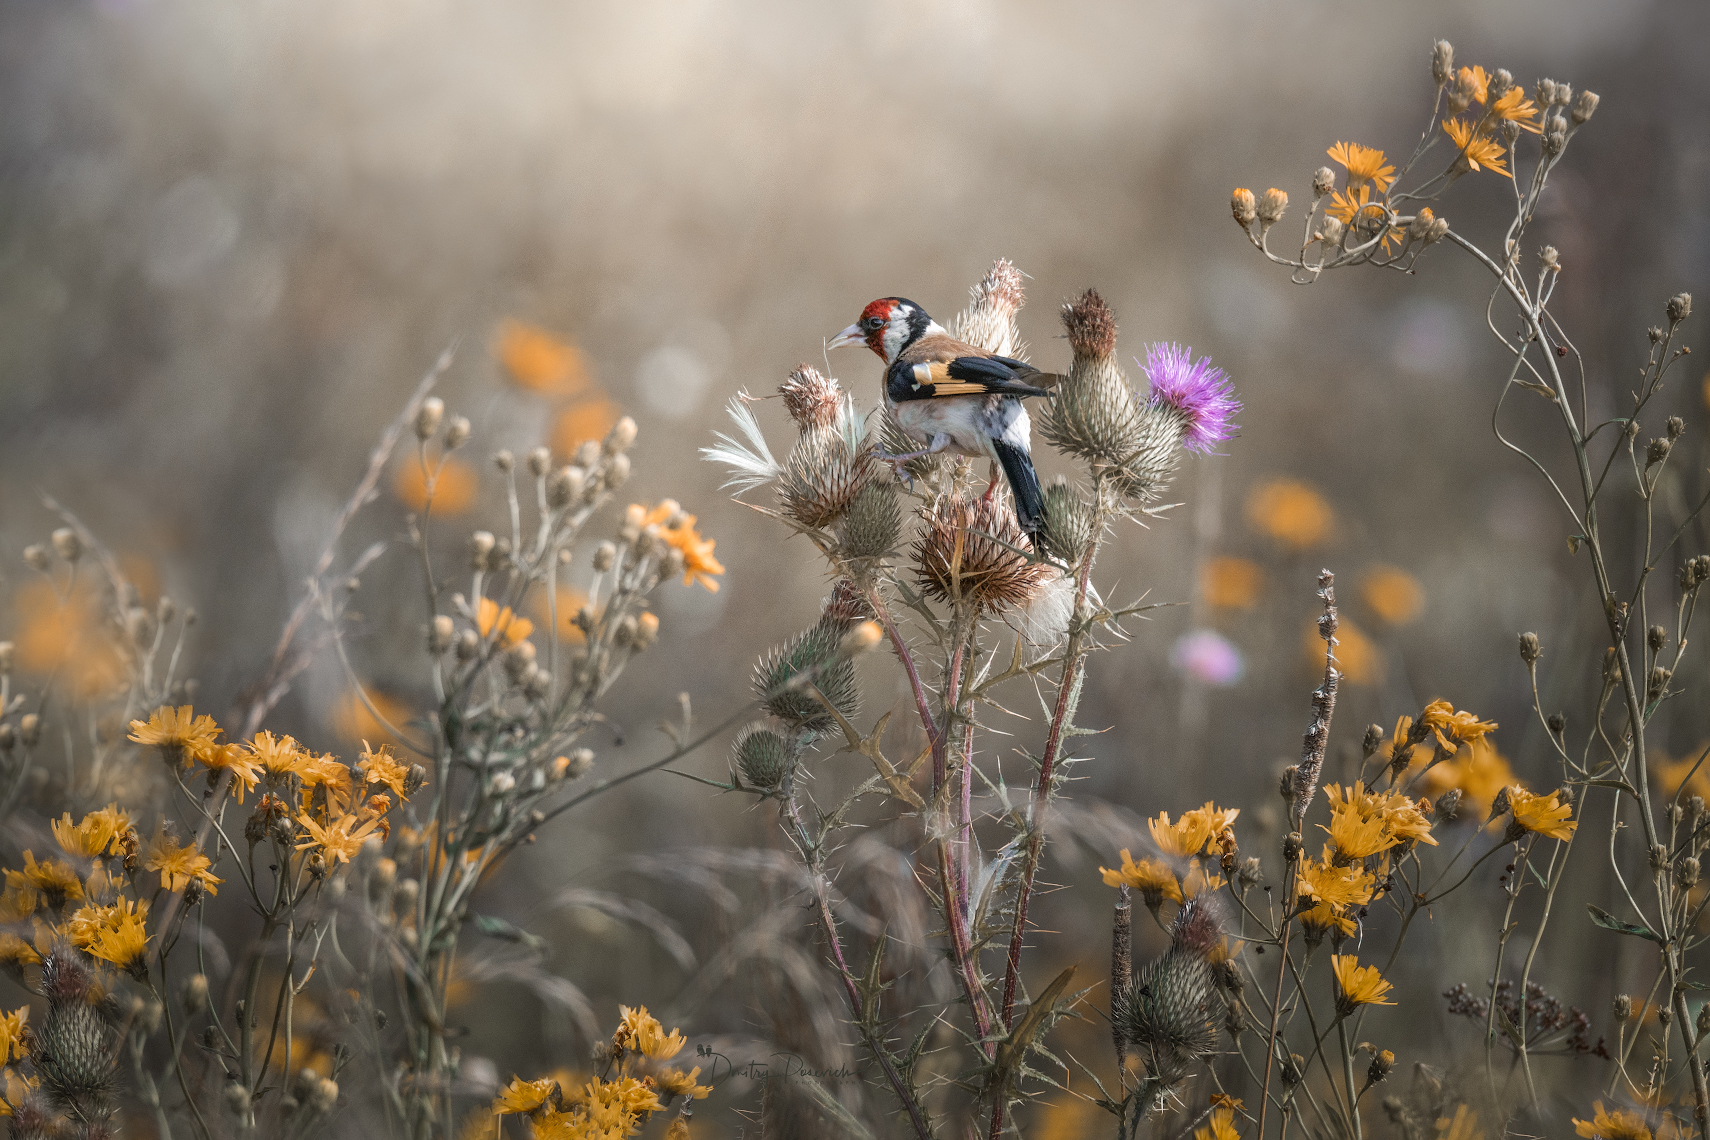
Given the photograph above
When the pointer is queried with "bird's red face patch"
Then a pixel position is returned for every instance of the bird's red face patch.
(874, 320)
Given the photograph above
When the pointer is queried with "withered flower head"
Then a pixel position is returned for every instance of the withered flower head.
(989, 320)
(968, 552)
(810, 397)
(826, 469)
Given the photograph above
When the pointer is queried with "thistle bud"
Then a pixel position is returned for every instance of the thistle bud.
(457, 432)
(1323, 181)
(36, 555)
(870, 527)
(1243, 206)
(1622, 1008)
(1584, 107)
(1657, 451)
(1373, 740)
(1656, 637)
(1679, 308)
(763, 757)
(1271, 207)
(1448, 806)
(620, 437)
(1686, 873)
(67, 545)
(1067, 528)
(1442, 61)
(1530, 650)
(428, 417)
(504, 460)
(194, 994)
(1382, 1062)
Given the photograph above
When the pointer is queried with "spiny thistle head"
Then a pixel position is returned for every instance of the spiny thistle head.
(811, 398)
(811, 657)
(763, 756)
(846, 607)
(1195, 929)
(826, 470)
(1068, 523)
(989, 320)
(1094, 413)
(957, 557)
(1169, 1009)
(74, 1048)
(1201, 393)
(871, 525)
(1154, 452)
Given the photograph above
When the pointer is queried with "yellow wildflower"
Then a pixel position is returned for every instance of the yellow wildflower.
(233, 758)
(279, 756)
(1196, 882)
(642, 1032)
(1617, 1125)
(1517, 109)
(636, 1096)
(1442, 719)
(1462, 1126)
(699, 565)
(454, 486)
(537, 360)
(523, 1096)
(1230, 583)
(1222, 1123)
(1364, 164)
(52, 882)
(340, 839)
(180, 735)
(95, 834)
(1478, 770)
(12, 1046)
(179, 865)
(1151, 877)
(1360, 985)
(489, 617)
(1393, 594)
(117, 934)
(1323, 881)
(1478, 81)
(1479, 151)
(1290, 512)
(15, 953)
(1542, 814)
(1356, 836)
(330, 772)
(1324, 916)
(383, 768)
(678, 1083)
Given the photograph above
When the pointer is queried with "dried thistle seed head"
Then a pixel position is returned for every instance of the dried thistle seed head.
(1657, 683)
(811, 398)
(1448, 806)
(1656, 637)
(1676, 427)
(873, 522)
(1286, 783)
(481, 545)
(1462, 90)
(1323, 181)
(1243, 206)
(441, 632)
(1169, 1007)
(1679, 308)
(968, 552)
(989, 321)
(1622, 1008)
(1657, 450)
(457, 431)
(1499, 84)
(1094, 413)
(1421, 224)
(812, 657)
(1546, 92)
(826, 470)
(620, 438)
(1252, 872)
(1564, 94)
(1330, 232)
(646, 628)
(1272, 203)
(1550, 258)
(1195, 929)
(1584, 107)
(1442, 61)
(539, 461)
(428, 417)
(1530, 649)
(1555, 138)
(763, 757)
(36, 556)
(1373, 740)
(1066, 529)
(67, 545)
(1557, 723)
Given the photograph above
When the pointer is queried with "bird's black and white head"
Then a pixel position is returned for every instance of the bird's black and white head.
(887, 326)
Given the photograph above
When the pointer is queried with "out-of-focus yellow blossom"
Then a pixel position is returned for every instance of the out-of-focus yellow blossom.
(1290, 512)
(511, 627)
(1230, 583)
(535, 359)
(454, 485)
(1153, 878)
(178, 866)
(1618, 1125)
(52, 882)
(1393, 594)
(96, 834)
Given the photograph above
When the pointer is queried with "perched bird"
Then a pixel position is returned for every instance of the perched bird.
(951, 396)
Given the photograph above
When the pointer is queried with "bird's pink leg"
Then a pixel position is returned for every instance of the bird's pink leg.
(991, 487)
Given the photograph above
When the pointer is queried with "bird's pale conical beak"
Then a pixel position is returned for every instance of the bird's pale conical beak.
(850, 335)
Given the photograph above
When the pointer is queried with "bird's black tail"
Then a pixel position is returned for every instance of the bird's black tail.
(1023, 483)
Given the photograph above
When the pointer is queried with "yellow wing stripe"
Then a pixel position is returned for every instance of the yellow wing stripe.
(959, 388)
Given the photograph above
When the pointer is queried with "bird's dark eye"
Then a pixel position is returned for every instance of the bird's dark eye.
(872, 323)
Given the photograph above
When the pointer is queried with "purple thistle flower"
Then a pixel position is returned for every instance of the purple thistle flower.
(1201, 393)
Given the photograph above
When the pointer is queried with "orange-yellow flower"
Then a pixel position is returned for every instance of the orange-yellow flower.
(642, 1032)
(1364, 164)
(233, 758)
(179, 866)
(13, 1046)
(1324, 916)
(1151, 877)
(1517, 109)
(1220, 1127)
(1357, 203)
(537, 360)
(1542, 814)
(341, 839)
(383, 768)
(113, 933)
(523, 1096)
(1230, 583)
(512, 628)
(1617, 1125)
(52, 882)
(278, 755)
(677, 528)
(678, 1083)
(1360, 985)
(1322, 881)
(1393, 594)
(1189, 835)
(1443, 720)
(180, 735)
(1476, 79)
(1479, 151)
(96, 834)
(1290, 512)
(452, 489)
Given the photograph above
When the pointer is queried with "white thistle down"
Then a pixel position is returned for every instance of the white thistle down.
(751, 463)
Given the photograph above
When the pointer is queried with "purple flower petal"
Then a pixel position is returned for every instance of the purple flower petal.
(1202, 394)
(1207, 657)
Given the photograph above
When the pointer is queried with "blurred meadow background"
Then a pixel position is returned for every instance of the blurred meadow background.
(233, 237)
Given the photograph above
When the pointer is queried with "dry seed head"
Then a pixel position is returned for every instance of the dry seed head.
(967, 551)
(1686, 873)
(481, 545)
(1461, 91)
(1439, 230)
(616, 472)
(1372, 740)
(989, 320)
(871, 525)
(1323, 181)
(1330, 232)
(428, 417)
(1676, 427)
(564, 487)
(1066, 529)
(846, 606)
(620, 438)
(1658, 682)
(1271, 206)
(1442, 61)
(1546, 92)
(1656, 637)
(1584, 107)
(441, 633)
(1530, 650)
(36, 556)
(1243, 206)
(811, 398)
(1286, 782)
(457, 432)
(825, 471)
(1622, 1007)
(763, 757)
(1564, 94)
(605, 556)
(539, 461)
(1499, 84)
(1555, 138)
(1421, 224)
(1448, 806)
(1679, 308)
(468, 645)
(67, 545)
